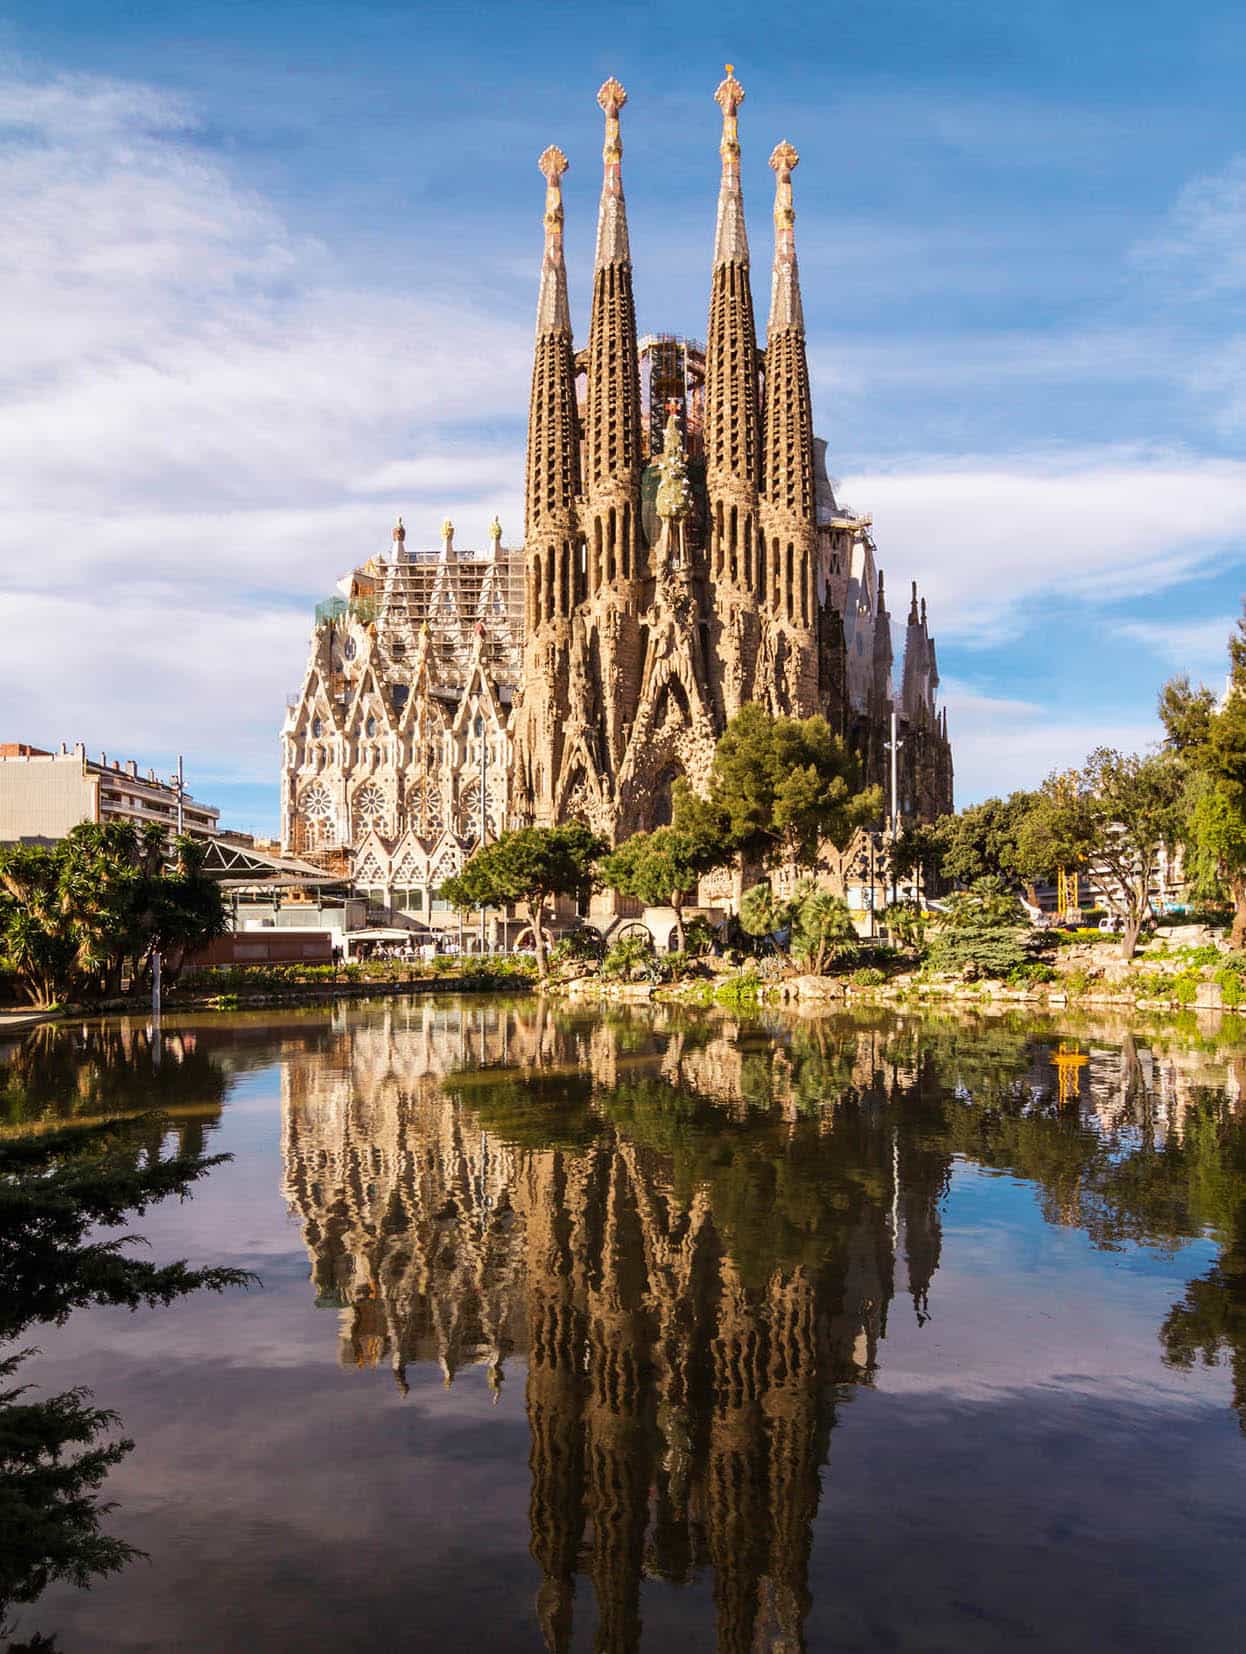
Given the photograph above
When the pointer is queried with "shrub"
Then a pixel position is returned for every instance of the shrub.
(1033, 972)
(867, 976)
(628, 958)
(699, 936)
(739, 992)
(576, 945)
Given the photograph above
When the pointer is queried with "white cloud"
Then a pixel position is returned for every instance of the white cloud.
(1000, 744)
(1201, 247)
(988, 536)
(194, 399)
(1198, 647)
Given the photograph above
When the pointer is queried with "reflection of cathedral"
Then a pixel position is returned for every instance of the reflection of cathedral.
(692, 1231)
(688, 1319)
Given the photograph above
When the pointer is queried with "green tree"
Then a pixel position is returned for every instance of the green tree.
(1210, 744)
(822, 927)
(662, 868)
(984, 931)
(57, 1192)
(76, 914)
(1186, 714)
(762, 913)
(528, 867)
(1116, 814)
(783, 785)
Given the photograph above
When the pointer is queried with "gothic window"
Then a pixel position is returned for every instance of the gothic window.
(317, 727)
(316, 803)
(370, 728)
(468, 822)
(369, 809)
(399, 694)
(350, 648)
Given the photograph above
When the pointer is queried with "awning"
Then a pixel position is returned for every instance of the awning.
(385, 934)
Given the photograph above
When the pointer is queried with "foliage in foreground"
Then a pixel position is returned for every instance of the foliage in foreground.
(56, 1192)
(77, 915)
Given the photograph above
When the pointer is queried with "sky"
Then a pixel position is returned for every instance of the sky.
(269, 279)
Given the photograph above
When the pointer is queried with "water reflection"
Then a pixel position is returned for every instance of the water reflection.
(692, 1233)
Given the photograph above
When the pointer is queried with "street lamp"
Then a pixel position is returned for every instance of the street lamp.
(484, 815)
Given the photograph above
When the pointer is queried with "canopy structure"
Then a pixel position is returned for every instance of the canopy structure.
(242, 867)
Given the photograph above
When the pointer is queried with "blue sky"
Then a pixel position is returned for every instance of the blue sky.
(271, 280)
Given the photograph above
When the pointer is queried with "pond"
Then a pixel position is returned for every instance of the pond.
(653, 1329)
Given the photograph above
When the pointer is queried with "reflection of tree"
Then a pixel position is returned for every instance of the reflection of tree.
(60, 1071)
(56, 1192)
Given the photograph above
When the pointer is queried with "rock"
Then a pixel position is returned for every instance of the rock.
(815, 987)
(1209, 997)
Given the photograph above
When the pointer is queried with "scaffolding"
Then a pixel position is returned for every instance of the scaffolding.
(672, 376)
(462, 599)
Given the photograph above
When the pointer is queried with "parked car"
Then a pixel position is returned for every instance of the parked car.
(1111, 925)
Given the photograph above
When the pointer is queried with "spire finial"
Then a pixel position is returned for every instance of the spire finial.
(730, 237)
(786, 309)
(612, 243)
(400, 532)
(552, 310)
(913, 606)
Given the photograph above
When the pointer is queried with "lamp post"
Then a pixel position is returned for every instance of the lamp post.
(893, 813)
(484, 815)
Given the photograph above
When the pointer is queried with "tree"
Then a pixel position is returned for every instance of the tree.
(663, 868)
(983, 932)
(527, 867)
(1117, 813)
(76, 914)
(57, 1192)
(1186, 715)
(1209, 744)
(822, 927)
(762, 913)
(783, 785)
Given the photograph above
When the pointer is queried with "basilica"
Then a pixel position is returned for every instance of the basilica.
(684, 553)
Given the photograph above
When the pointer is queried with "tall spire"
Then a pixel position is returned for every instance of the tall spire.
(612, 449)
(730, 236)
(785, 306)
(732, 418)
(612, 243)
(789, 506)
(552, 309)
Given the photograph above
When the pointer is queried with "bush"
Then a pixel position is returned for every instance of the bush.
(1029, 975)
(699, 936)
(629, 959)
(867, 976)
(576, 945)
(741, 992)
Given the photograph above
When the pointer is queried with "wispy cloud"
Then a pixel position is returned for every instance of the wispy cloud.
(194, 400)
(988, 535)
(1199, 647)
(1201, 247)
(1001, 744)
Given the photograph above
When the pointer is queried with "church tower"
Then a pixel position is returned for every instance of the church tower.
(732, 428)
(788, 518)
(612, 456)
(551, 530)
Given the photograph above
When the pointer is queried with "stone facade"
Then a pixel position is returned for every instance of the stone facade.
(652, 616)
(400, 728)
(684, 553)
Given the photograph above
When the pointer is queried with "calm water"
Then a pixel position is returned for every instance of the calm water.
(650, 1330)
